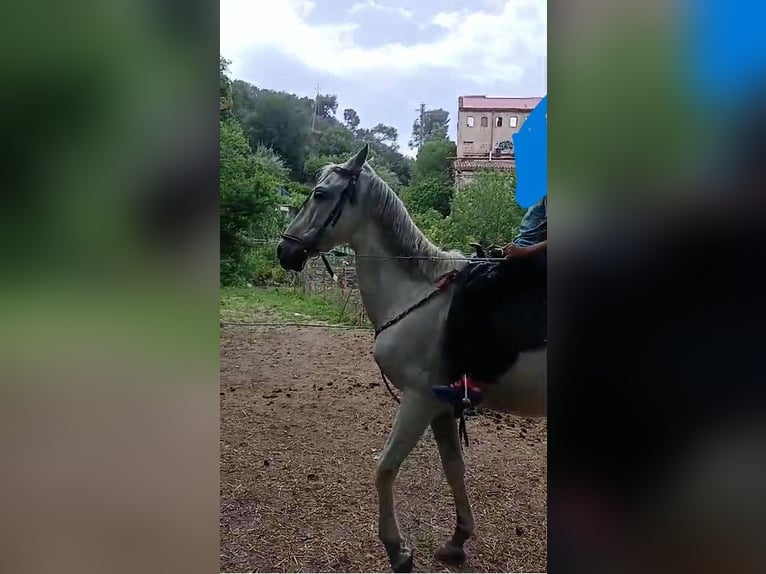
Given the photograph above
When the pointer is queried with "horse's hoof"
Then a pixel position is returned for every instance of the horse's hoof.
(450, 553)
(403, 562)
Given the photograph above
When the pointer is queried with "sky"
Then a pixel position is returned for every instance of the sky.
(384, 57)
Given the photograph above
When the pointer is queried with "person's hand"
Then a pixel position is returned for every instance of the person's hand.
(512, 250)
(518, 251)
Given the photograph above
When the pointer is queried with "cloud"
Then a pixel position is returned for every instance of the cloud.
(484, 46)
(372, 5)
(448, 20)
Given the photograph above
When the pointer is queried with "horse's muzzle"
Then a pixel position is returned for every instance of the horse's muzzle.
(292, 255)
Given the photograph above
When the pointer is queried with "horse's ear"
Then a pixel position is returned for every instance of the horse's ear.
(356, 162)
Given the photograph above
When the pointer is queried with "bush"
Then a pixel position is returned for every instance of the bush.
(249, 203)
(431, 194)
(485, 211)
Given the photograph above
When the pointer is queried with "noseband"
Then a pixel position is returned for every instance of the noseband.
(349, 192)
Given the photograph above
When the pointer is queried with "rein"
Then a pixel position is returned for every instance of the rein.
(442, 282)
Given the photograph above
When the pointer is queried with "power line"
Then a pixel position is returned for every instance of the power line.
(422, 125)
(314, 116)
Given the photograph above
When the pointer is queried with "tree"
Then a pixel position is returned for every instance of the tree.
(384, 134)
(270, 158)
(327, 105)
(432, 182)
(248, 202)
(434, 122)
(427, 195)
(351, 118)
(243, 96)
(280, 123)
(486, 210)
(333, 136)
(335, 140)
(271, 162)
(434, 159)
(226, 100)
(398, 163)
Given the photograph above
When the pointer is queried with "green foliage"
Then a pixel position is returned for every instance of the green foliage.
(432, 183)
(386, 135)
(314, 163)
(260, 267)
(434, 160)
(434, 225)
(283, 122)
(248, 203)
(388, 156)
(277, 122)
(270, 158)
(435, 123)
(298, 193)
(247, 304)
(485, 211)
(335, 140)
(351, 118)
(271, 162)
(225, 89)
(326, 105)
(244, 96)
(428, 194)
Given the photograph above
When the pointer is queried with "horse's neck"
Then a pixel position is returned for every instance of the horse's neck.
(387, 283)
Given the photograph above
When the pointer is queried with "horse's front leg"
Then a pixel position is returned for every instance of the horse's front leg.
(448, 441)
(413, 417)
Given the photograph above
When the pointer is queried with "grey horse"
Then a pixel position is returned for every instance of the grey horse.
(396, 269)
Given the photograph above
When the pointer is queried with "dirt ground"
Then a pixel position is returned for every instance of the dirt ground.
(303, 417)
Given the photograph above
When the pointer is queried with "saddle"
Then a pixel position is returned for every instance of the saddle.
(498, 310)
(481, 252)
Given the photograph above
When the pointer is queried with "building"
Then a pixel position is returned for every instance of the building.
(484, 132)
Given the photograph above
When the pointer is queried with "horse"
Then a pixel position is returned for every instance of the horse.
(397, 267)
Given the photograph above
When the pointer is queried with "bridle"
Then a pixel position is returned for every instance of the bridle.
(348, 193)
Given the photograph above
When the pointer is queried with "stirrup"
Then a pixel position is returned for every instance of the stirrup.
(460, 411)
(466, 400)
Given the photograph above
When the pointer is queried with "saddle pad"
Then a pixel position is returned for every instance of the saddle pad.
(498, 310)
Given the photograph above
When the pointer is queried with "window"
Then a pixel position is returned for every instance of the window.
(514, 121)
(499, 122)
(469, 121)
(484, 121)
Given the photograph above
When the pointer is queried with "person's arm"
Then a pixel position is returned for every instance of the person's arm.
(518, 251)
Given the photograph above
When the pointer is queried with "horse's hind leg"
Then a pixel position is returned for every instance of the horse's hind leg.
(448, 441)
(411, 420)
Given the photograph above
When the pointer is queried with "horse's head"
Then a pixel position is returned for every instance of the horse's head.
(328, 217)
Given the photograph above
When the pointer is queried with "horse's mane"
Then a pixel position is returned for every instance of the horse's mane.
(403, 238)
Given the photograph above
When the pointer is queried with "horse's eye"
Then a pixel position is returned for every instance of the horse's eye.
(319, 193)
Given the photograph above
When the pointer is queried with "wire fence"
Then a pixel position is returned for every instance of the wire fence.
(341, 291)
(329, 302)
(287, 324)
(346, 252)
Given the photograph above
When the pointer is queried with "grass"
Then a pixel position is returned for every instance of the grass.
(288, 305)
